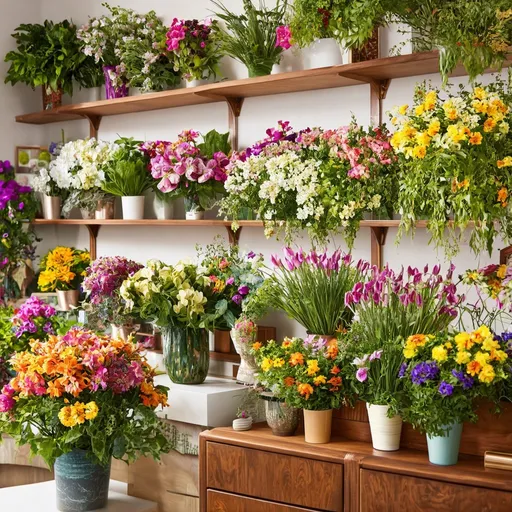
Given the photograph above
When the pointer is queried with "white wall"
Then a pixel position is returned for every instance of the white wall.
(329, 108)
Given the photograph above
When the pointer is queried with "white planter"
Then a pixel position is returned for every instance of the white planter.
(197, 83)
(286, 64)
(385, 431)
(322, 53)
(133, 207)
(242, 424)
(163, 210)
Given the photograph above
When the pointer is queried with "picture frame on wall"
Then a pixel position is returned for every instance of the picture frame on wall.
(27, 160)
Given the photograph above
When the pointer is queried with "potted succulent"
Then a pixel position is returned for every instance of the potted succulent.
(62, 270)
(191, 169)
(78, 400)
(251, 37)
(49, 56)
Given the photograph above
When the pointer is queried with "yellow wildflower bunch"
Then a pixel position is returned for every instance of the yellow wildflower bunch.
(78, 413)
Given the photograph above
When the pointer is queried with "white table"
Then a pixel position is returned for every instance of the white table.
(41, 498)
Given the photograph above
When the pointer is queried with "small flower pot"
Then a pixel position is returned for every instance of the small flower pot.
(52, 99)
(193, 210)
(281, 418)
(242, 424)
(133, 207)
(67, 299)
(51, 207)
(317, 426)
(322, 53)
(385, 431)
(81, 484)
(163, 210)
(122, 332)
(105, 209)
(444, 451)
(87, 214)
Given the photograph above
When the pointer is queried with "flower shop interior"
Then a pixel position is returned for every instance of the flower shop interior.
(255, 256)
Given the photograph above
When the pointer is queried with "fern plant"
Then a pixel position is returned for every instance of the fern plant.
(125, 178)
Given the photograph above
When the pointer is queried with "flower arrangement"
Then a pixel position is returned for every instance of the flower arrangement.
(304, 373)
(170, 296)
(390, 306)
(318, 180)
(235, 279)
(80, 170)
(310, 288)
(455, 157)
(85, 391)
(189, 168)
(444, 375)
(63, 268)
(102, 284)
(194, 47)
(8, 343)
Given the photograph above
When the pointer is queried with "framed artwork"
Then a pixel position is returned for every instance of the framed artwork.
(48, 297)
(27, 158)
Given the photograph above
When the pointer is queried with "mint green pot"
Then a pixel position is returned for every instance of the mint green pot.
(444, 451)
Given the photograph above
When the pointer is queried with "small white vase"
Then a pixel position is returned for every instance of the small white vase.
(322, 53)
(385, 431)
(133, 207)
(163, 210)
(241, 424)
(286, 64)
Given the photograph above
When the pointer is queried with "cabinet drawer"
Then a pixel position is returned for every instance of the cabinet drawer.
(283, 478)
(386, 492)
(223, 502)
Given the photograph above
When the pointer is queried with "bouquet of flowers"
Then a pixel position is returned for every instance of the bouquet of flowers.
(84, 391)
(304, 373)
(63, 268)
(189, 168)
(456, 155)
(171, 296)
(311, 288)
(444, 375)
(235, 279)
(194, 47)
(390, 306)
(80, 169)
(8, 344)
(314, 179)
(102, 284)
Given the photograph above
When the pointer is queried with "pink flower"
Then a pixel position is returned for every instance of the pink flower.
(362, 374)
(284, 36)
(6, 403)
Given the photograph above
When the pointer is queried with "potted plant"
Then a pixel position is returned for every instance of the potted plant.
(49, 56)
(455, 159)
(179, 301)
(18, 208)
(251, 37)
(311, 288)
(322, 181)
(444, 376)
(306, 374)
(78, 400)
(80, 170)
(62, 270)
(102, 284)
(194, 47)
(126, 176)
(191, 169)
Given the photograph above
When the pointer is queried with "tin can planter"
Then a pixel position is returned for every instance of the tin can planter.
(133, 207)
(67, 299)
(281, 418)
(317, 426)
(444, 450)
(186, 354)
(81, 484)
(385, 431)
(51, 207)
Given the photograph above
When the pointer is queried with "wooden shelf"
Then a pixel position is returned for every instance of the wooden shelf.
(221, 356)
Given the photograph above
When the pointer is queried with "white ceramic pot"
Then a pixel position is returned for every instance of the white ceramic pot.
(385, 431)
(241, 424)
(133, 207)
(286, 64)
(163, 210)
(321, 54)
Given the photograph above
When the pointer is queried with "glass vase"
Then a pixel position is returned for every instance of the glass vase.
(256, 70)
(186, 354)
(112, 91)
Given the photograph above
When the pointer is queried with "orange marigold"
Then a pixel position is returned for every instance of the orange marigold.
(289, 381)
(335, 370)
(257, 345)
(306, 390)
(473, 368)
(296, 358)
(332, 351)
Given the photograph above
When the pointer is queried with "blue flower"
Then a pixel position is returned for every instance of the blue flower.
(403, 371)
(423, 372)
(445, 389)
(466, 381)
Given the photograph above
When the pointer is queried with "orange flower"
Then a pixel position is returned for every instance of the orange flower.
(55, 389)
(335, 382)
(332, 351)
(305, 390)
(256, 346)
(335, 370)
(296, 358)
(289, 381)
(474, 368)
(503, 196)
(476, 139)
(286, 343)
(489, 125)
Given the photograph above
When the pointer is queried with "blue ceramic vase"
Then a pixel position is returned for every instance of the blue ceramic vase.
(81, 484)
(444, 451)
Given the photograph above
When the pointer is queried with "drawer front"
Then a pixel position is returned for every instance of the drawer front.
(271, 476)
(223, 502)
(386, 492)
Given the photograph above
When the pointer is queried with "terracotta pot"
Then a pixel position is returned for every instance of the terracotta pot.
(67, 299)
(51, 99)
(317, 426)
(222, 341)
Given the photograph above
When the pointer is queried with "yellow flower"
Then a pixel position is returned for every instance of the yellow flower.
(499, 355)
(403, 109)
(448, 345)
(419, 152)
(319, 380)
(490, 344)
(452, 114)
(78, 413)
(473, 368)
(430, 100)
(439, 353)
(433, 128)
(420, 109)
(502, 271)
(487, 374)
(91, 411)
(489, 125)
(266, 364)
(506, 162)
(480, 93)
(504, 127)
(409, 352)
(278, 363)
(475, 138)
(423, 138)
(463, 357)
(481, 334)
(463, 341)
(305, 390)
(313, 367)
(66, 418)
(482, 358)
(480, 107)
(296, 358)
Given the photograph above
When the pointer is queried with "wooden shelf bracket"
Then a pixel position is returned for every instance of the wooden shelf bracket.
(234, 236)
(94, 124)
(93, 237)
(378, 241)
(235, 109)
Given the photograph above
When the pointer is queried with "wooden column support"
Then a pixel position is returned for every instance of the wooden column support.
(93, 236)
(94, 125)
(378, 241)
(234, 236)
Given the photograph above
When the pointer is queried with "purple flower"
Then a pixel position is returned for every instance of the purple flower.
(5, 235)
(251, 255)
(423, 372)
(445, 389)
(230, 280)
(243, 290)
(362, 374)
(21, 206)
(237, 299)
(6, 403)
(466, 381)
(276, 261)
(403, 371)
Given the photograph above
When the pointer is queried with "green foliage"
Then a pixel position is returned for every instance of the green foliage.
(8, 342)
(124, 178)
(251, 37)
(214, 142)
(49, 55)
